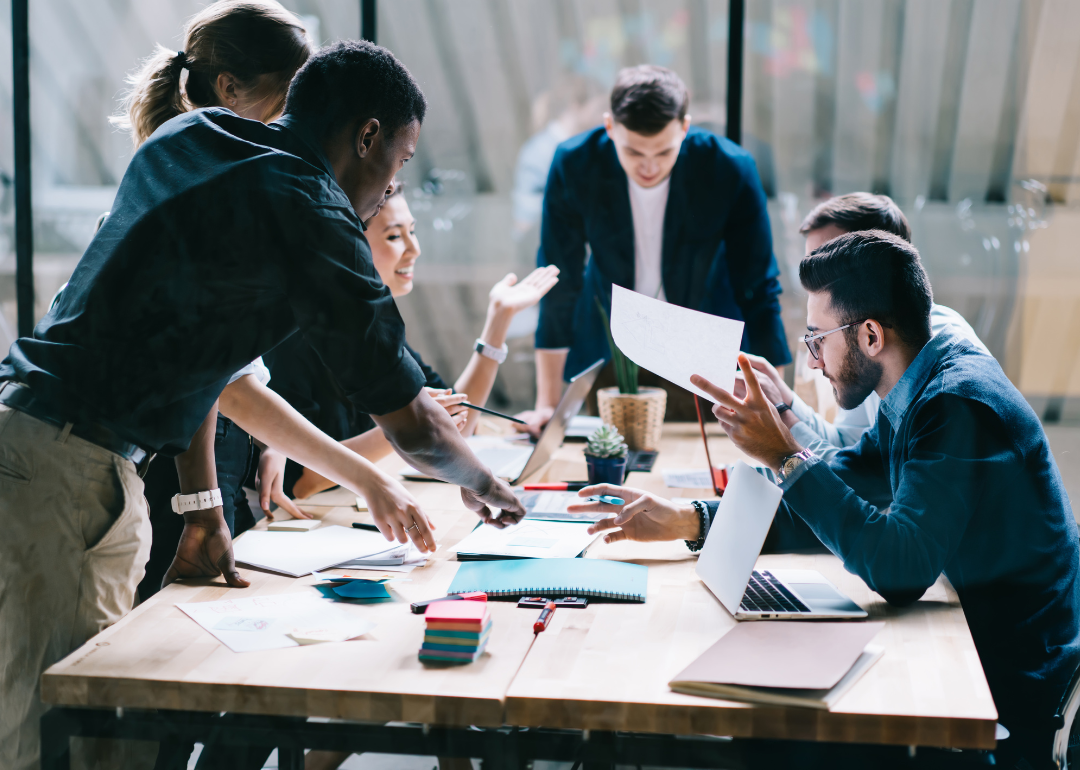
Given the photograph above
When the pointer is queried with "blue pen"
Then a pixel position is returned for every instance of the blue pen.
(607, 499)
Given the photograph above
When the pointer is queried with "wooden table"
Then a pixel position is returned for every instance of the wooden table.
(604, 668)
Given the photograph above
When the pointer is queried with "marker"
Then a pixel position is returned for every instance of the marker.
(485, 410)
(558, 486)
(358, 525)
(610, 500)
(419, 608)
(545, 618)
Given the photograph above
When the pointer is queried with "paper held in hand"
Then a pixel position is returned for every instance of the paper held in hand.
(675, 342)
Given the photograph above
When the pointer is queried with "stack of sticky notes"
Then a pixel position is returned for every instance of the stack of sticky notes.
(457, 632)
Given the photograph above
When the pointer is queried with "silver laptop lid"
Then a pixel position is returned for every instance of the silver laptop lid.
(737, 534)
(551, 437)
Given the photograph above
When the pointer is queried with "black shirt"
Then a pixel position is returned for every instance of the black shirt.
(300, 377)
(225, 237)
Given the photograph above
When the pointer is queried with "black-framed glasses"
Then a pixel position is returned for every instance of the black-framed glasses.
(812, 339)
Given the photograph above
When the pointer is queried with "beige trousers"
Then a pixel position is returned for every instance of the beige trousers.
(74, 541)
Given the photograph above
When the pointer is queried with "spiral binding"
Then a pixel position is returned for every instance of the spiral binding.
(568, 590)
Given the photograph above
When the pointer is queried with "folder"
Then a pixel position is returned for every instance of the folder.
(594, 578)
(779, 663)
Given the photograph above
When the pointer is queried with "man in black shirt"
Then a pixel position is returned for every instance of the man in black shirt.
(226, 237)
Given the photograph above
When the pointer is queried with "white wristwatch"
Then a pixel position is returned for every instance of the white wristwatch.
(198, 501)
(498, 355)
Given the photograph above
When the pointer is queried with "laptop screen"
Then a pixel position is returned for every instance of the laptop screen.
(737, 534)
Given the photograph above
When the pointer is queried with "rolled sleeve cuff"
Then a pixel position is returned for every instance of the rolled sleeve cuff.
(802, 410)
(793, 479)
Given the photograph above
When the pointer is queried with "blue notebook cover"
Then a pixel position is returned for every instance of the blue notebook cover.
(594, 578)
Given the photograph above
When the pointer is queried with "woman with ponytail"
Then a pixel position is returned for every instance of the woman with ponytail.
(242, 55)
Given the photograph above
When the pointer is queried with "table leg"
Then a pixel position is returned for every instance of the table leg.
(55, 740)
(290, 758)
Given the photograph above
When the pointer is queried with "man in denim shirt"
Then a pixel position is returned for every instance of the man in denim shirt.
(956, 476)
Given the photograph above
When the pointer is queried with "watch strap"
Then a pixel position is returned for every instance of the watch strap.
(782, 407)
(196, 501)
(498, 355)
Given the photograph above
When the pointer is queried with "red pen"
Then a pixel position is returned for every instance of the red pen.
(545, 618)
(558, 486)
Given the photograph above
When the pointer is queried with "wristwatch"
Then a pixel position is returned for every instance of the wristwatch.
(197, 501)
(782, 407)
(791, 462)
(498, 355)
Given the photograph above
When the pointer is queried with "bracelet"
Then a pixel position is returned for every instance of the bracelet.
(498, 355)
(703, 517)
(197, 501)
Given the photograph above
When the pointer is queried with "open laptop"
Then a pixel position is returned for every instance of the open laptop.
(516, 463)
(726, 563)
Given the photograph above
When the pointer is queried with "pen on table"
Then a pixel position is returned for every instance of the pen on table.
(485, 410)
(360, 525)
(609, 499)
(558, 486)
(544, 620)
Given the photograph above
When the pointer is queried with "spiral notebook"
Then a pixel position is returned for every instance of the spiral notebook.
(594, 578)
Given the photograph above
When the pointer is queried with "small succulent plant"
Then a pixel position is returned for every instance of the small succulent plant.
(606, 441)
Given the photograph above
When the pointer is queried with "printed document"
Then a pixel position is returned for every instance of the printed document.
(675, 342)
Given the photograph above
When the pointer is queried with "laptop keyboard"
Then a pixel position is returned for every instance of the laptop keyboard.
(764, 593)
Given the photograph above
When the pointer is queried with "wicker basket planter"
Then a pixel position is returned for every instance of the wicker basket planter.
(639, 417)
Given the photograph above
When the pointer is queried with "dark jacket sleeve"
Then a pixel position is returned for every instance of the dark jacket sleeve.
(753, 269)
(900, 550)
(562, 243)
(346, 313)
(432, 379)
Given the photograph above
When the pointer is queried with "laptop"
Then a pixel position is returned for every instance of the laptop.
(726, 563)
(516, 463)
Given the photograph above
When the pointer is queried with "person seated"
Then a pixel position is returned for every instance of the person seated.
(955, 477)
(300, 377)
(829, 219)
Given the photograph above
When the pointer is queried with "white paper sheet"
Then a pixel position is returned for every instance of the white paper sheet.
(675, 342)
(529, 539)
(687, 479)
(410, 556)
(298, 553)
(272, 622)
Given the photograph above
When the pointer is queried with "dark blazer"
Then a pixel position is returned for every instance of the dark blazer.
(717, 249)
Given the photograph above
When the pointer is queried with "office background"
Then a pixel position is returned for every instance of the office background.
(966, 112)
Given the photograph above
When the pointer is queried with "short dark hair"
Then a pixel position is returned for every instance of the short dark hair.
(646, 98)
(354, 79)
(858, 211)
(873, 274)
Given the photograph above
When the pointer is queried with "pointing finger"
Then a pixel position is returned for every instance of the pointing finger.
(752, 385)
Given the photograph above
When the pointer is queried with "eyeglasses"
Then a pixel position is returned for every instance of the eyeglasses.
(812, 339)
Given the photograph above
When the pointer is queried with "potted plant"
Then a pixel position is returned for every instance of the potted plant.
(605, 454)
(638, 413)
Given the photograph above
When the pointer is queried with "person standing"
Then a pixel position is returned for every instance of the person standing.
(664, 209)
(227, 236)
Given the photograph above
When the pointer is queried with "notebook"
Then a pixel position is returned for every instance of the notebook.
(783, 663)
(526, 540)
(594, 578)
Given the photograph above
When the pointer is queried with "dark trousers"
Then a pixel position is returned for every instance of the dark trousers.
(233, 450)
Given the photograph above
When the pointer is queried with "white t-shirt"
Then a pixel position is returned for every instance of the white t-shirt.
(648, 205)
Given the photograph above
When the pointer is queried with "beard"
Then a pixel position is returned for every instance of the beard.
(858, 376)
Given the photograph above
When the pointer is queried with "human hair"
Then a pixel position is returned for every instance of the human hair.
(873, 274)
(245, 38)
(647, 98)
(858, 211)
(354, 80)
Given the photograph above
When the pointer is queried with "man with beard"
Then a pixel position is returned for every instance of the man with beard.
(956, 476)
(829, 219)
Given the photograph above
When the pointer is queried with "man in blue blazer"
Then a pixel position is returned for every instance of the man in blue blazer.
(665, 209)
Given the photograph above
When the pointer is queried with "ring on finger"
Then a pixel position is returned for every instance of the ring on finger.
(414, 526)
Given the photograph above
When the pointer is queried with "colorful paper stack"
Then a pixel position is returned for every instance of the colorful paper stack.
(457, 632)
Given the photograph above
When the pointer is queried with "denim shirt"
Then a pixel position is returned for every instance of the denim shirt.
(956, 476)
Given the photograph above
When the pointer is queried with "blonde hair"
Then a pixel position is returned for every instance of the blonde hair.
(245, 38)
